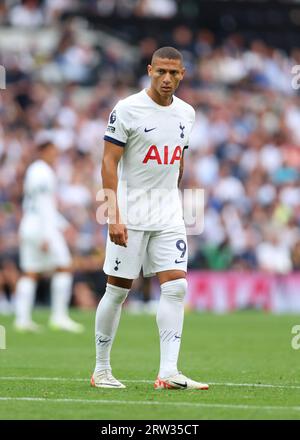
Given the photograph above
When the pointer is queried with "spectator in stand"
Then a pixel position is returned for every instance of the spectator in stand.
(28, 13)
(273, 256)
(295, 256)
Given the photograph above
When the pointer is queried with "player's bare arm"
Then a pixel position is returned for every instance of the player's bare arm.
(181, 167)
(111, 157)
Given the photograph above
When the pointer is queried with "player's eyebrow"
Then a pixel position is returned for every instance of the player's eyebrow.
(167, 70)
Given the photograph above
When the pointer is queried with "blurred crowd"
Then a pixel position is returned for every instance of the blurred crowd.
(35, 13)
(244, 149)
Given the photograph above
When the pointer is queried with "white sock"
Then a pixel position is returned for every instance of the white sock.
(5, 305)
(24, 301)
(61, 292)
(107, 321)
(169, 320)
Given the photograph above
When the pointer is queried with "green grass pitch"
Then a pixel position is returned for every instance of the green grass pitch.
(246, 357)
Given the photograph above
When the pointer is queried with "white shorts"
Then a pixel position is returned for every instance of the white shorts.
(33, 259)
(155, 251)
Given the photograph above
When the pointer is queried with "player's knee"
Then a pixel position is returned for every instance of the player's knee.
(175, 289)
(116, 294)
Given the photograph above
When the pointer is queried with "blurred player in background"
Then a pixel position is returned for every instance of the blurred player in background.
(43, 247)
(144, 144)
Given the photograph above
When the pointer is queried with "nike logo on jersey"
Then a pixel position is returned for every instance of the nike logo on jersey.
(181, 261)
(150, 129)
(183, 385)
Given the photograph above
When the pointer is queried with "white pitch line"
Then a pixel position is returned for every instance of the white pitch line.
(74, 379)
(55, 379)
(145, 402)
(258, 385)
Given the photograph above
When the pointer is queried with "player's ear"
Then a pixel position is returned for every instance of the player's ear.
(149, 69)
(182, 72)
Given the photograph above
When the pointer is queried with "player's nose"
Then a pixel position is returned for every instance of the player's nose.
(167, 79)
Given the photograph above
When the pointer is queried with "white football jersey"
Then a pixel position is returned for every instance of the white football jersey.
(39, 204)
(153, 137)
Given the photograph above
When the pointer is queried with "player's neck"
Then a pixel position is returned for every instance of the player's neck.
(156, 97)
(47, 161)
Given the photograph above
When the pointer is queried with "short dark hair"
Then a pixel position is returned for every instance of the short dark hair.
(167, 52)
(44, 145)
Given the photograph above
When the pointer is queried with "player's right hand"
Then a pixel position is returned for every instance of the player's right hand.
(118, 234)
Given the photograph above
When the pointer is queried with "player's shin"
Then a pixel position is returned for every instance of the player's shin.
(61, 291)
(25, 296)
(107, 320)
(170, 315)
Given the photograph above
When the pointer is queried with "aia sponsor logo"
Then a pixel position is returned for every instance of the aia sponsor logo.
(166, 157)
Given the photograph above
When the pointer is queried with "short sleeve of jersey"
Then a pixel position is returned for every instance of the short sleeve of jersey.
(117, 130)
(193, 116)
